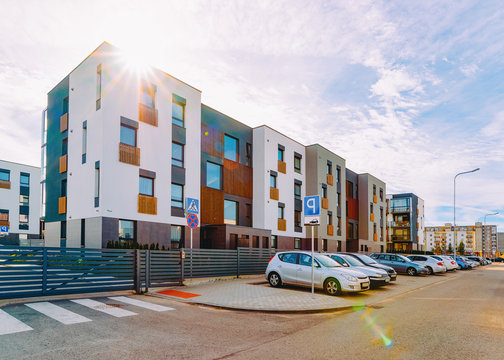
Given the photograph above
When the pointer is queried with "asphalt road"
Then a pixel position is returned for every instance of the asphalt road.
(461, 317)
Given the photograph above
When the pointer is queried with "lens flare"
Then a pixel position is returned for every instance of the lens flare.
(374, 328)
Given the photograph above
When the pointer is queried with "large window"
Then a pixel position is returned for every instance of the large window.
(230, 148)
(147, 95)
(213, 176)
(128, 135)
(4, 175)
(25, 179)
(126, 230)
(297, 164)
(230, 212)
(177, 154)
(178, 110)
(297, 191)
(146, 186)
(177, 195)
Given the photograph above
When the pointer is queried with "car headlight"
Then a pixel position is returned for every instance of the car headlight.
(349, 277)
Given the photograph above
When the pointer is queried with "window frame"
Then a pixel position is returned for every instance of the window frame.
(296, 196)
(175, 159)
(281, 154)
(281, 212)
(130, 128)
(236, 148)
(25, 175)
(175, 120)
(274, 178)
(133, 238)
(177, 201)
(236, 210)
(151, 91)
(152, 185)
(7, 172)
(297, 159)
(220, 175)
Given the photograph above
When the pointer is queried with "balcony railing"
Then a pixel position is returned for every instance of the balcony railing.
(64, 122)
(282, 225)
(129, 154)
(63, 164)
(147, 205)
(330, 230)
(325, 203)
(401, 224)
(4, 223)
(5, 184)
(282, 167)
(62, 205)
(375, 237)
(148, 114)
(375, 200)
(330, 180)
(372, 217)
(400, 209)
(274, 195)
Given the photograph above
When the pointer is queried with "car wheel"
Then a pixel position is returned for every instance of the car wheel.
(274, 279)
(411, 271)
(431, 272)
(332, 287)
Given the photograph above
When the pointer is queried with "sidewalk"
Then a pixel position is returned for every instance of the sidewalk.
(255, 294)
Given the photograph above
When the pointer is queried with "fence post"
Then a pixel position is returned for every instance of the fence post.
(147, 270)
(44, 271)
(238, 264)
(138, 265)
(182, 256)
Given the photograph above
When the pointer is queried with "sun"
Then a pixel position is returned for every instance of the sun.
(135, 62)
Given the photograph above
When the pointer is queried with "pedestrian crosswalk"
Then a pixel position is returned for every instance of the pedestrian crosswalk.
(9, 324)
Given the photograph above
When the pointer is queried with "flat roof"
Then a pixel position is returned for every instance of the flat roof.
(16, 163)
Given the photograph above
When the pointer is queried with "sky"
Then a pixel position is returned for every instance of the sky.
(409, 91)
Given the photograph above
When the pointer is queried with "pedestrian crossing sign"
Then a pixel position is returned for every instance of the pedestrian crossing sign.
(192, 206)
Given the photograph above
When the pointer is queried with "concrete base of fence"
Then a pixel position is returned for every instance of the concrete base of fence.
(197, 281)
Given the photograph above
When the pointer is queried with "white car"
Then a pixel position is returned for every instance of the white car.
(295, 267)
(377, 277)
(432, 265)
(447, 261)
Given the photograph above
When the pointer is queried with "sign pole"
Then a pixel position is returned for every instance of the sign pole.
(191, 253)
(312, 266)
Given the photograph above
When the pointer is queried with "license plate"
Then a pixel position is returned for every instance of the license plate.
(387, 280)
(364, 285)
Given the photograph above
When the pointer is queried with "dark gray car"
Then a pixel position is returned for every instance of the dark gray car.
(366, 260)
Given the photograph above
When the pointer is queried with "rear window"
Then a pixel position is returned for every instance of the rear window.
(290, 258)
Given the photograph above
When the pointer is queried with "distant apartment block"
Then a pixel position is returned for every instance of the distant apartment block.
(407, 226)
(19, 202)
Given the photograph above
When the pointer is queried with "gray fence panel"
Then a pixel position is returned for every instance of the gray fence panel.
(165, 268)
(254, 261)
(210, 262)
(21, 272)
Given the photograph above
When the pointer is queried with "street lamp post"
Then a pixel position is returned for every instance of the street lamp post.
(484, 226)
(454, 224)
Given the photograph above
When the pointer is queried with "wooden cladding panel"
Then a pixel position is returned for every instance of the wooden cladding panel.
(372, 217)
(147, 114)
(274, 194)
(375, 199)
(63, 164)
(62, 205)
(212, 141)
(147, 205)
(129, 154)
(64, 122)
(325, 203)
(330, 230)
(4, 223)
(5, 184)
(212, 206)
(237, 179)
(330, 180)
(353, 209)
(282, 225)
(282, 167)
(375, 237)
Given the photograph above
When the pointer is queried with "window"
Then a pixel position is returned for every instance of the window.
(4, 175)
(290, 258)
(249, 155)
(64, 147)
(147, 95)
(297, 220)
(24, 200)
(146, 186)
(177, 236)
(230, 148)
(97, 184)
(280, 154)
(374, 228)
(84, 141)
(177, 195)
(339, 226)
(23, 219)
(63, 188)
(324, 244)
(297, 164)
(280, 212)
(297, 243)
(338, 175)
(25, 179)
(178, 112)
(128, 135)
(126, 230)
(381, 194)
(98, 86)
(273, 241)
(305, 260)
(248, 214)
(273, 181)
(329, 168)
(339, 199)
(4, 215)
(213, 176)
(177, 154)
(230, 212)
(65, 105)
(324, 192)
(329, 219)
(374, 190)
(297, 191)
(371, 208)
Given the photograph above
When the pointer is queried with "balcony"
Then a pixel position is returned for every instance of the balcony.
(375, 237)
(5, 184)
(325, 203)
(64, 122)
(372, 217)
(147, 115)
(282, 225)
(330, 230)
(282, 167)
(147, 205)
(400, 210)
(375, 200)
(4, 223)
(62, 205)
(63, 163)
(405, 224)
(274, 195)
(129, 154)
(330, 180)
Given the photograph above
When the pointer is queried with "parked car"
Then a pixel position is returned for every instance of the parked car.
(400, 263)
(378, 277)
(295, 267)
(432, 265)
(450, 264)
(471, 263)
(368, 261)
(462, 263)
(498, 259)
(478, 259)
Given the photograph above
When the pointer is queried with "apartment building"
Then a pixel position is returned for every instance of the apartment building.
(279, 185)
(19, 203)
(500, 242)
(325, 174)
(121, 151)
(488, 240)
(407, 226)
(352, 210)
(441, 237)
(227, 184)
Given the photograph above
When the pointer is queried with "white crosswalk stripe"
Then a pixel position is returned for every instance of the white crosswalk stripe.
(58, 313)
(11, 325)
(107, 309)
(140, 303)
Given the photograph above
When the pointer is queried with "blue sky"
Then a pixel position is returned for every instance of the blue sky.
(410, 91)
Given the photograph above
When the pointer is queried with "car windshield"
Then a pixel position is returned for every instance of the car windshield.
(437, 257)
(404, 258)
(366, 259)
(327, 261)
(351, 260)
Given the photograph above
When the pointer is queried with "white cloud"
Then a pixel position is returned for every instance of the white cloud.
(469, 70)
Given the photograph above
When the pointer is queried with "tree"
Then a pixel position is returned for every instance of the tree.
(461, 248)
(437, 250)
(450, 248)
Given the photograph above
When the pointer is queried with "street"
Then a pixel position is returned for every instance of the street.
(461, 316)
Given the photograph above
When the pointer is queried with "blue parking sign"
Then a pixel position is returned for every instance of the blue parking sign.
(4, 229)
(311, 205)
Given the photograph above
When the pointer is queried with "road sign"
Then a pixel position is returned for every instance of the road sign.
(4, 229)
(311, 210)
(192, 220)
(192, 206)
